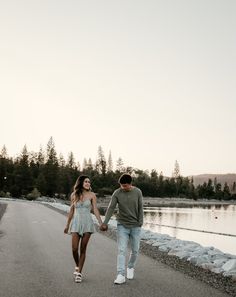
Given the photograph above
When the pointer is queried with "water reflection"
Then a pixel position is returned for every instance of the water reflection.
(212, 218)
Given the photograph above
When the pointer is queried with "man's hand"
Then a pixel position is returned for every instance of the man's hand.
(103, 227)
(66, 230)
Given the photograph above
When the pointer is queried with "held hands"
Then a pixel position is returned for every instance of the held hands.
(103, 227)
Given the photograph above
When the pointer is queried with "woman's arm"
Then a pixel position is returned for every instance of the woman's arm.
(70, 216)
(95, 209)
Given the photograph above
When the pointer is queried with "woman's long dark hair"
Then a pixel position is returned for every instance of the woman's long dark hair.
(78, 188)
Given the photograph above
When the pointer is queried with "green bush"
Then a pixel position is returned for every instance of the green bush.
(2, 194)
(33, 195)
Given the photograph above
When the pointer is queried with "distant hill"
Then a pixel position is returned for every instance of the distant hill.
(230, 178)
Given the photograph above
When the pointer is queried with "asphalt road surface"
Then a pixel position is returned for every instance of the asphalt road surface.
(36, 261)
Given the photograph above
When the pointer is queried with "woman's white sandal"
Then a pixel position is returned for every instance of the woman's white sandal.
(78, 277)
(76, 270)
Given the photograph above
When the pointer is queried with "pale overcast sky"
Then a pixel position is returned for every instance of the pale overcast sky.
(153, 81)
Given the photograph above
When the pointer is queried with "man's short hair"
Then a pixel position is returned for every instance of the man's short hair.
(125, 178)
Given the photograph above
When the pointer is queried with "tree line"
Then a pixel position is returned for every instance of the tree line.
(45, 173)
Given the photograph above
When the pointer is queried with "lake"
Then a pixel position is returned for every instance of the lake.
(212, 218)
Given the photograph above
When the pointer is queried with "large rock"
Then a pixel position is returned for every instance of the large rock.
(220, 262)
(230, 266)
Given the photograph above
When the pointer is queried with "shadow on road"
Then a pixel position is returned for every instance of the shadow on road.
(3, 207)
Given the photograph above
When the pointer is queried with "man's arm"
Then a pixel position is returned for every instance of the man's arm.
(140, 209)
(110, 209)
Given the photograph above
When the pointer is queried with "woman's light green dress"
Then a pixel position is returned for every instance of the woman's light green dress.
(82, 221)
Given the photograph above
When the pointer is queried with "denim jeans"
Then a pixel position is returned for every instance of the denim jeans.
(123, 236)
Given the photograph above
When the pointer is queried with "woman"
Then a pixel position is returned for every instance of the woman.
(80, 223)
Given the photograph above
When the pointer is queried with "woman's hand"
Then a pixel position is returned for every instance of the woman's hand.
(66, 230)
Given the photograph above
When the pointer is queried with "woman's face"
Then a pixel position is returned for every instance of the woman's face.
(86, 184)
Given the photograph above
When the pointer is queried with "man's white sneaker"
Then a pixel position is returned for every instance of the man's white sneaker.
(120, 279)
(130, 273)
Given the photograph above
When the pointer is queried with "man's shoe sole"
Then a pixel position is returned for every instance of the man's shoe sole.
(116, 283)
(119, 283)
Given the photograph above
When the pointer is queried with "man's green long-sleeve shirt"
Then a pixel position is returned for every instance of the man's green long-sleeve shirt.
(130, 207)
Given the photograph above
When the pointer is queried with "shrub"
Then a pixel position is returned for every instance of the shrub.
(104, 191)
(33, 195)
(2, 194)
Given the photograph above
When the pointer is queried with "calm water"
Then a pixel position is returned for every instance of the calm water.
(217, 219)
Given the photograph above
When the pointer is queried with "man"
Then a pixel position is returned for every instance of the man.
(129, 222)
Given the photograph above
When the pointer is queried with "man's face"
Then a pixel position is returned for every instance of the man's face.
(126, 187)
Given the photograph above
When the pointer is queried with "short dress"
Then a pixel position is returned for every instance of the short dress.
(82, 221)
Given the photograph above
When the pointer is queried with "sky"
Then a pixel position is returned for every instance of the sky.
(151, 81)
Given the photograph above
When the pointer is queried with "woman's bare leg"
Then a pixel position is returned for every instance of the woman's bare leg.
(83, 247)
(75, 247)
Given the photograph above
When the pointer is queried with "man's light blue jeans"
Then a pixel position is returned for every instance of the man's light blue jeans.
(123, 236)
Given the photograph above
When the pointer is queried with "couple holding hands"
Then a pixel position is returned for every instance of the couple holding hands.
(80, 224)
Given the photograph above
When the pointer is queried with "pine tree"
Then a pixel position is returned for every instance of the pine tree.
(33, 165)
(226, 192)
(40, 157)
(109, 163)
(23, 177)
(160, 185)
(176, 172)
(78, 166)
(71, 161)
(90, 164)
(129, 169)
(85, 164)
(4, 169)
(120, 165)
(51, 152)
(61, 161)
(218, 191)
(51, 169)
(154, 182)
(192, 192)
(234, 188)
(41, 184)
(101, 163)
(25, 156)
(210, 189)
(3, 153)
(89, 169)
(215, 183)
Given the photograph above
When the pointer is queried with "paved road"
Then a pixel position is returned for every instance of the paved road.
(36, 261)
